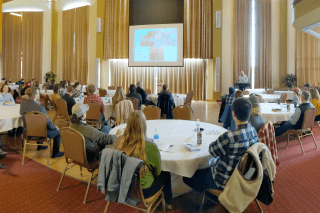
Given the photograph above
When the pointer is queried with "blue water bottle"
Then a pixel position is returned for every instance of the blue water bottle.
(156, 137)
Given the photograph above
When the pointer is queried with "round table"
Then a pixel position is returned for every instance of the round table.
(179, 99)
(49, 93)
(269, 115)
(178, 160)
(267, 97)
(110, 93)
(10, 117)
(107, 105)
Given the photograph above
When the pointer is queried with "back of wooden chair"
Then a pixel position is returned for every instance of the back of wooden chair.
(102, 92)
(62, 109)
(283, 97)
(308, 119)
(94, 111)
(135, 103)
(111, 88)
(148, 91)
(182, 112)
(74, 145)
(270, 92)
(276, 89)
(189, 97)
(285, 89)
(260, 98)
(36, 124)
(246, 92)
(152, 112)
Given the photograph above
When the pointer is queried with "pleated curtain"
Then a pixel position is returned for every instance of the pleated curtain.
(32, 45)
(307, 59)
(75, 32)
(12, 46)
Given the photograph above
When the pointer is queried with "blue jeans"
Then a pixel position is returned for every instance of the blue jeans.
(55, 134)
(284, 127)
(105, 129)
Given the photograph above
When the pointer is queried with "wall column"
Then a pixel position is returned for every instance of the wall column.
(283, 41)
(291, 61)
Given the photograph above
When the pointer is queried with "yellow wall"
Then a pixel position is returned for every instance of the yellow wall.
(283, 42)
(1, 27)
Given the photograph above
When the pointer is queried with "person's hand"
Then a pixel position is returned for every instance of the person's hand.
(119, 132)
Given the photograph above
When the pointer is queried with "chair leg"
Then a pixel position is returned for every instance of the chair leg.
(85, 197)
(24, 151)
(107, 206)
(202, 201)
(301, 144)
(64, 172)
(314, 140)
(261, 209)
(49, 144)
(288, 141)
(163, 204)
(81, 171)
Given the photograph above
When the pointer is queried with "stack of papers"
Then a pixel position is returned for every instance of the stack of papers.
(191, 147)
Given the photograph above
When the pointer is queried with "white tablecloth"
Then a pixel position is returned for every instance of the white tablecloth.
(289, 94)
(14, 87)
(10, 117)
(176, 132)
(110, 93)
(179, 99)
(267, 98)
(49, 93)
(269, 115)
(256, 91)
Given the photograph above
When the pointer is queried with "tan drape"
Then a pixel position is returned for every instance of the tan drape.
(242, 38)
(262, 69)
(116, 29)
(198, 20)
(307, 59)
(32, 45)
(12, 47)
(75, 32)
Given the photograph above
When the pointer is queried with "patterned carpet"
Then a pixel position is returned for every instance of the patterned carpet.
(33, 187)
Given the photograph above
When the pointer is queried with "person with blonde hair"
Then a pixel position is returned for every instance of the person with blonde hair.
(296, 98)
(118, 96)
(134, 143)
(256, 119)
(315, 100)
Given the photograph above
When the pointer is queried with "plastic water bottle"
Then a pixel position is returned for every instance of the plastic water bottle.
(156, 137)
(198, 125)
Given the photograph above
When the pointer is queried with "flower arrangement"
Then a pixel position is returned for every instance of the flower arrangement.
(290, 80)
(51, 76)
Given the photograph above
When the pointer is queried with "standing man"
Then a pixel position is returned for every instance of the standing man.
(243, 79)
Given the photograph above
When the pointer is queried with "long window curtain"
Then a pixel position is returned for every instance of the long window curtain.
(116, 29)
(262, 68)
(198, 19)
(75, 44)
(307, 59)
(242, 38)
(32, 44)
(12, 46)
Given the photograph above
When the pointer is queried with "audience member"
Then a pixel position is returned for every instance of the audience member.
(26, 86)
(93, 97)
(95, 140)
(118, 96)
(134, 143)
(77, 90)
(307, 86)
(164, 104)
(315, 101)
(64, 86)
(227, 150)
(20, 83)
(238, 94)
(56, 94)
(32, 105)
(229, 98)
(6, 96)
(296, 97)
(296, 120)
(256, 120)
(69, 100)
(3, 81)
(134, 94)
(143, 94)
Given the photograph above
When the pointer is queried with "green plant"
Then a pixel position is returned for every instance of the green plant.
(51, 76)
(290, 80)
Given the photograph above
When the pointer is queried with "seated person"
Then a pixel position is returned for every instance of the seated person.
(134, 143)
(134, 94)
(44, 98)
(52, 131)
(77, 90)
(25, 87)
(229, 98)
(307, 86)
(20, 83)
(227, 150)
(143, 94)
(296, 120)
(118, 96)
(69, 99)
(296, 98)
(315, 101)
(238, 94)
(6, 97)
(3, 81)
(63, 89)
(56, 90)
(256, 120)
(93, 97)
(165, 109)
(95, 140)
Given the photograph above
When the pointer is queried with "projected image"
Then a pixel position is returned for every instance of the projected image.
(155, 45)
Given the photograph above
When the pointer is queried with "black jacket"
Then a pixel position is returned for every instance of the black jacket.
(70, 102)
(142, 93)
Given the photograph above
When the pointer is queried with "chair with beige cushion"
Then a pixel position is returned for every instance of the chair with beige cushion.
(75, 153)
(283, 98)
(102, 92)
(152, 112)
(36, 131)
(182, 112)
(306, 129)
(93, 114)
(62, 110)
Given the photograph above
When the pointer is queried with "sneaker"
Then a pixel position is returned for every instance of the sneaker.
(2, 166)
(59, 154)
(3, 154)
(41, 147)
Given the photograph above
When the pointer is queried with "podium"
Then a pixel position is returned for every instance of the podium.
(242, 86)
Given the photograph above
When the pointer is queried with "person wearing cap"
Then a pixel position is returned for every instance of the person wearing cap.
(296, 120)
(95, 140)
(315, 101)
(296, 98)
(256, 119)
(307, 86)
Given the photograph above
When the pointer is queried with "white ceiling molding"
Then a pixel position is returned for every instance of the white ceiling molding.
(71, 4)
(26, 6)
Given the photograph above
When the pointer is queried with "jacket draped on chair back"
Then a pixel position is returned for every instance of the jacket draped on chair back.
(122, 111)
(267, 136)
(165, 104)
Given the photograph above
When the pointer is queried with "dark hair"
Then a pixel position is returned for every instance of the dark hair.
(75, 120)
(22, 79)
(76, 84)
(56, 88)
(37, 84)
(242, 109)
(132, 88)
(64, 84)
(70, 89)
(3, 79)
(165, 87)
(238, 94)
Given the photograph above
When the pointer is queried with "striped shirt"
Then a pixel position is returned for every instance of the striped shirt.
(229, 99)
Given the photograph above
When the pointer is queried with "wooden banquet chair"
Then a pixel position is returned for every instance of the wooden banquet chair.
(246, 92)
(111, 88)
(182, 112)
(270, 92)
(148, 91)
(36, 131)
(62, 110)
(102, 92)
(260, 98)
(283, 98)
(75, 154)
(93, 114)
(306, 129)
(135, 103)
(189, 100)
(152, 112)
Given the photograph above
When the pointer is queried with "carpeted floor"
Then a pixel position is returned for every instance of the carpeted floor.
(33, 187)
